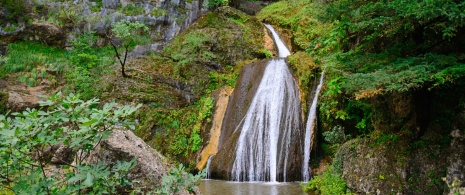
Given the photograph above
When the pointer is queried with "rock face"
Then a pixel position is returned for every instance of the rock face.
(246, 87)
(166, 19)
(455, 174)
(123, 146)
(369, 168)
(22, 96)
(221, 97)
(289, 146)
(416, 148)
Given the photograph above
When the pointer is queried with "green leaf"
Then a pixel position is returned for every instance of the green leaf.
(89, 180)
(89, 123)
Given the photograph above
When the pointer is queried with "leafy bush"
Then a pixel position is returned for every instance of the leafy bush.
(184, 137)
(79, 125)
(212, 4)
(178, 179)
(328, 183)
(336, 136)
(16, 10)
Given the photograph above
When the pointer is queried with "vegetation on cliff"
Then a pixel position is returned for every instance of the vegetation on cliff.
(393, 68)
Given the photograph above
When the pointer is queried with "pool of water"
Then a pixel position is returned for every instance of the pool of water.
(220, 187)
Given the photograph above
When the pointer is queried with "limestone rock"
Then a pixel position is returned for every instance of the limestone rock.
(455, 175)
(221, 97)
(371, 168)
(123, 145)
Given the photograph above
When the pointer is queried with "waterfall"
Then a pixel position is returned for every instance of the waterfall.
(282, 49)
(309, 130)
(270, 126)
(207, 168)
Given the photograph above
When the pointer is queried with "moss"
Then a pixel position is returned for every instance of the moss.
(299, 16)
(304, 68)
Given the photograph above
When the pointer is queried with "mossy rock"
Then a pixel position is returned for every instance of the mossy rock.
(218, 39)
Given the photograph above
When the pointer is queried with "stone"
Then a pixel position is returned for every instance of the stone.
(123, 145)
(221, 98)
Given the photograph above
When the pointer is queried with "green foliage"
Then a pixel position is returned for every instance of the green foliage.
(129, 31)
(178, 179)
(157, 12)
(298, 16)
(388, 138)
(328, 183)
(336, 136)
(216, 3)
(390, 21)
(97, 7)
(132, 10)
(184, 136)
(15, 10)
(191, 50)
(226, 78)
(382, 73)
(89, 63)
(25, 56)
(74, 123)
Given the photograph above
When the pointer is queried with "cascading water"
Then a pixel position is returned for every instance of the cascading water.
(270, 124)
(309, 130)
(282, 49)
(207, 167)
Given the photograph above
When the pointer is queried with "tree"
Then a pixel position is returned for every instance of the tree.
(27, 137)
(129, 33)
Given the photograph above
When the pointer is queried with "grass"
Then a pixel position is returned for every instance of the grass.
(28, 63)
(25, 56)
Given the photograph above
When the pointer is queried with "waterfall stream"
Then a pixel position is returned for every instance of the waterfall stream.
(207, 167)
(282, 49)
(309, 130)
(270, 124)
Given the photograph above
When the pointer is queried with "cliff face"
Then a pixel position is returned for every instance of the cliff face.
(59, 23)
(416, 148)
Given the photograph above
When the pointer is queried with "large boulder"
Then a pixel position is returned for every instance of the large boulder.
(123, 145)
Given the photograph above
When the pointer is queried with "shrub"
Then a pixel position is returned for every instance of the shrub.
(72, 122)
(328, 183)
(178, 179)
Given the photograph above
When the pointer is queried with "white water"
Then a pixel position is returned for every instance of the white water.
(262, 149)
(207, 167)
(282, 49)
(309, 131)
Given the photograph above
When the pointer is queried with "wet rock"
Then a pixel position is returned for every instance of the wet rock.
(239, 103)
